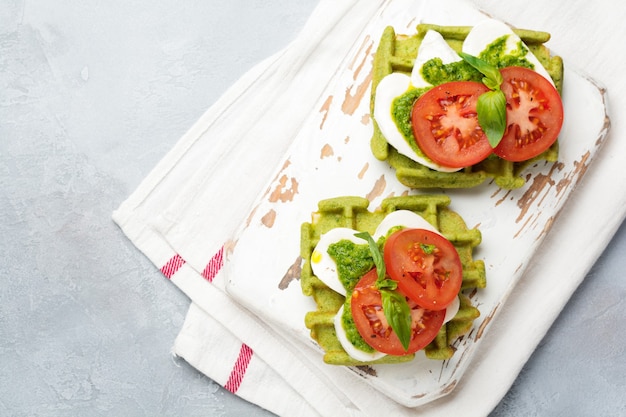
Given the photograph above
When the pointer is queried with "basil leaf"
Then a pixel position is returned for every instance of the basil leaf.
(491, 109)
(491, 106)
(493, 77)
(379, 261)
(398, 315)
(387, 284)
(396, 309)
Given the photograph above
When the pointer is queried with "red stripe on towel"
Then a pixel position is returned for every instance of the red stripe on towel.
(239, 370)
(215, 264)
(173, 265)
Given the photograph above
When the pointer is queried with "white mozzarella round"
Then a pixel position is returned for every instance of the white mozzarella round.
(323, 266)
(452, 309)
(404, 218)
(390, 87)
(350, 349)
(433, 45)
(487, 31)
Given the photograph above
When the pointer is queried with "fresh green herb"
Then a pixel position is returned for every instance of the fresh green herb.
(491, 110)
(387, 284)
(398, 314)
(396, 309)
(491, 106)
(492, 76)
(379, 262)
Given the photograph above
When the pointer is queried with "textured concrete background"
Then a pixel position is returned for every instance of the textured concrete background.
(92, 95)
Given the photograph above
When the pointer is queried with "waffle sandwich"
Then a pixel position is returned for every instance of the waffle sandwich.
(397, 53)
(352, 212)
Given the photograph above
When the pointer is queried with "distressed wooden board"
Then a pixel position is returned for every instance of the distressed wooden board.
(331, 157)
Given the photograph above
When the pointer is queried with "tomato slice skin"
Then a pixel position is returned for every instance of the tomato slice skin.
(426, 266)
(366, 305)
(534, 114)
(445, 124)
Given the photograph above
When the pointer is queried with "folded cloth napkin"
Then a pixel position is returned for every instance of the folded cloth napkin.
(184, 213)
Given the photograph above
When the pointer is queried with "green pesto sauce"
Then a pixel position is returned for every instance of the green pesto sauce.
(401, 109)
(353, 261)
(391, 231)
(353, 335)
(436, 72)
(494, 54)
(403, 106)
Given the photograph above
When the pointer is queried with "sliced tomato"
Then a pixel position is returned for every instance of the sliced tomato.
(534, 114)
(426, 266)
(370, 321)
(445, 124)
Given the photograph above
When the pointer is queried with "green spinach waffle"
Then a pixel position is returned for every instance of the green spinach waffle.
(396, 53)
(353, 212)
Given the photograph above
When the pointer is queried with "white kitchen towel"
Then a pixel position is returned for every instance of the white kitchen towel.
(229, 155)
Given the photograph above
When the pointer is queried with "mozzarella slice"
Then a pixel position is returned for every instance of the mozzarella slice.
(390, 87)
(351, 350)
(433, 45)
(452, 309)
(488, 31)
(323, 266)
(404, 218)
